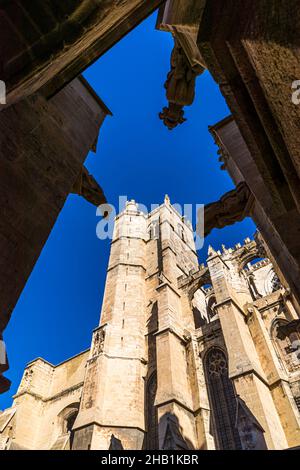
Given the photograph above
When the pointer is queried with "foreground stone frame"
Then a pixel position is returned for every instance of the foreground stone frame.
(44, 144)
(48, 44)
(252, 54)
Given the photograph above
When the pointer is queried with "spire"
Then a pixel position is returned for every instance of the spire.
(167, 199)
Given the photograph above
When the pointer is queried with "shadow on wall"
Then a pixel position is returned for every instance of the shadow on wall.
(171, 434)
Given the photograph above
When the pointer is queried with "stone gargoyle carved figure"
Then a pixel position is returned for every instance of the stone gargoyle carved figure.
(233, 207)
(180, 85)
(87, 187)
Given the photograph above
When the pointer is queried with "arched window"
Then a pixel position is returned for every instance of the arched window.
(262, 279)
(222, 400)
(151, 414)
(66, 419)
(68, 416)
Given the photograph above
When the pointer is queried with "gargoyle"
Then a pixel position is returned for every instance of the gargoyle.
(233, 207)
(87, 187)
(181, 79)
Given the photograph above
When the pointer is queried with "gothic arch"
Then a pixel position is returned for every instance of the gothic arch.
(198, 282)
(222, 399)
(262, 286)
(248, 255)
(67, 417)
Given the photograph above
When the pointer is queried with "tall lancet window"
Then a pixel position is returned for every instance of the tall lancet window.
(151, 415)
(222, 400)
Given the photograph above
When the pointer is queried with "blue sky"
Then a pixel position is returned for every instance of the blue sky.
(138, 157)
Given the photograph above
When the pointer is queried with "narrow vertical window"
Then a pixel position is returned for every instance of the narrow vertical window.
(222, 400)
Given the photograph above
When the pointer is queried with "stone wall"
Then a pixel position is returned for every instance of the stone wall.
(44, 144)
(146, 381)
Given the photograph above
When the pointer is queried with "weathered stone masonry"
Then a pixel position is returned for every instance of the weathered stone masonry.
(185, 356)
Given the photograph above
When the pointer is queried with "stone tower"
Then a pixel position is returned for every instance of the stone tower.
(185, 356)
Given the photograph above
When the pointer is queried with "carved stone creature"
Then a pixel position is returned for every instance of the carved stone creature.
(233, 207)
(180, 84)
(87, 187)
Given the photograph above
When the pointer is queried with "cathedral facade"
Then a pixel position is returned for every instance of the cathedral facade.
(185, 356)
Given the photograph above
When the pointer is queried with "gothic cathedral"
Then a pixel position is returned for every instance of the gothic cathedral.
(185, 356)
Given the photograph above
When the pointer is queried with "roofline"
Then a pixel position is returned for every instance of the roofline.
(91, 90)
(56, 365)
(222, 123)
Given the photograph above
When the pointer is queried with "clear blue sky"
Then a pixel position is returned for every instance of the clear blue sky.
(138, 157)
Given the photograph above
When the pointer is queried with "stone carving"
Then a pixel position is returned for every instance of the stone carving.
(222, 151)
(233, 207)
(181, 79)
(98, 343)
(172, 115)
(87, 187)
